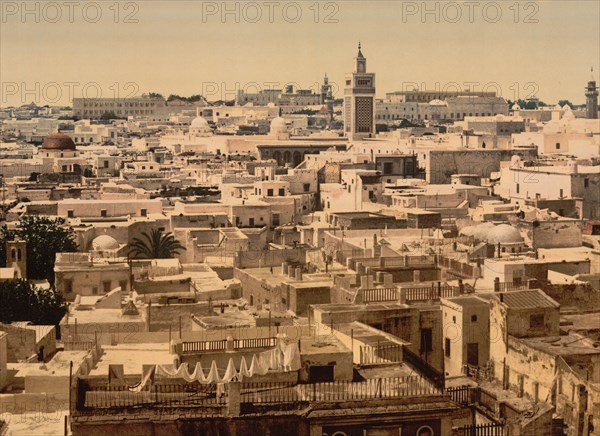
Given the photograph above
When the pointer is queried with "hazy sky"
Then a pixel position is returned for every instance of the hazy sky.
(51, 50)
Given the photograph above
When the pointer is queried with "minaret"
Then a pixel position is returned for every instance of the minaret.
(359, 101)
(591, 94)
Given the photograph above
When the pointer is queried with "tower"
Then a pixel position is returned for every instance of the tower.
(16, 257)
(359, 101)
(326, 91)
(591, 94)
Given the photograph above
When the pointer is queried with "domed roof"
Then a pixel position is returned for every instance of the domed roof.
(479, 231)
(569, 115)
(58, 141)
(278, 125)
(504, 234)
(516, 107)
(199, 123)
(437, 102)
(104, 243)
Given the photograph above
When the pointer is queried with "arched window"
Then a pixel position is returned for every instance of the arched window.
(425, 431)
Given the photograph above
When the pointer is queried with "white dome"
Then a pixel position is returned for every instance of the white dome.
(569, 115)
(516, 107)
(437, 102)
(278, 125)
(557, 108)
(104, 243)
(504, 234)
(199, 123)
(479, 231)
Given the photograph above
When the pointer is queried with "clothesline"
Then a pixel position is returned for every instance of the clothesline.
(284, 357)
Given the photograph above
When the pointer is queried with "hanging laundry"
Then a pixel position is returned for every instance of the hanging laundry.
(198, 373)
(148, 372)
(256, 367)
(244, 372)
(291, 357)
(230, 372)
(213, 374)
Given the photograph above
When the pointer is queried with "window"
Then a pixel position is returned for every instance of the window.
(518, 188)
(123, 285)
(105, 164)
(106, 286)
(447, 347)
(558, 145)
(426, 340)
(473, 318)
(281, 192)
(70, 213)
(586, 183)
(103, 213)
(144, 212)
(269, 192)
(251, 222)
(68, 286)
(306, 187)
(425, 431)
(536, 320)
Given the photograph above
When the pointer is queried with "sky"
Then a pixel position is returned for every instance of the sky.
(51, 52)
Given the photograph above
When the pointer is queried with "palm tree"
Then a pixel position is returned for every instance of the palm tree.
(155, 245)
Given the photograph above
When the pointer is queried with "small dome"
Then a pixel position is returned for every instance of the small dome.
(437, 102)
(516, 107)
(479, 231)
(569, 115)
(504, 234)
(515, 161)
(278, 125)
(104, 243)
(199, 123)
(58, 141)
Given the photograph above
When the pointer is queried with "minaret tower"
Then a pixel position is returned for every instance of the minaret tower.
(591, 94)
(359, 101)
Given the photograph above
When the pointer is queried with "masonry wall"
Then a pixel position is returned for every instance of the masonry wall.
(441, 164)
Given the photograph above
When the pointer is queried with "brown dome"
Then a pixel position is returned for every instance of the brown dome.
(58, 141)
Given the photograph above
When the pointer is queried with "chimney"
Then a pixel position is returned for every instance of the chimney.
(299, 274)
(283, 268)
(416, 276)
(290, 271)
(364, 282)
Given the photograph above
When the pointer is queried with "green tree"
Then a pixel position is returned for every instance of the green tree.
(44, 237)
(21, 300)
(565, 102)
(155, 245)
